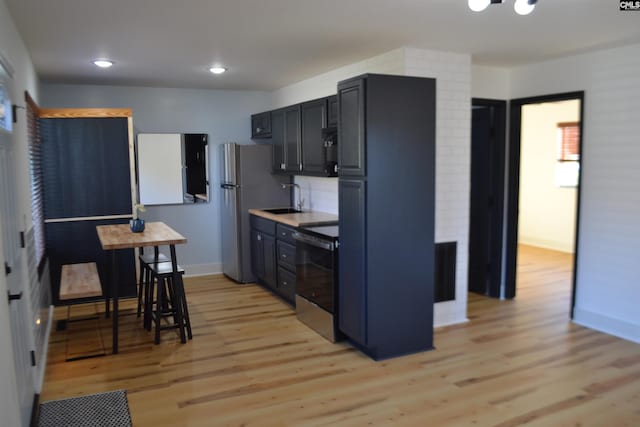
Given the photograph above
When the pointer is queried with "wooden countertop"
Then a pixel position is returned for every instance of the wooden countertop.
(120, 236)
(302, 219)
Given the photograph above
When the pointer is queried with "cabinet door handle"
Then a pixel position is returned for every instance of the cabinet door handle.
(282, 166)
(259, 237)
(285, 283)
(258, 130)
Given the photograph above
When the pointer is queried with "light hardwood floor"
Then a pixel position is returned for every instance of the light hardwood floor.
(252, 364)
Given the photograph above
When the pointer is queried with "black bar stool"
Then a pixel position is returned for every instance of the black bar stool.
(145, 275)
(170, 301)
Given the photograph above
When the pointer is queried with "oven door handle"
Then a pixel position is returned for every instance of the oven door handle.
(313, 241)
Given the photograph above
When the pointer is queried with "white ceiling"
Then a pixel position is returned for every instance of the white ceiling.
(267, 44)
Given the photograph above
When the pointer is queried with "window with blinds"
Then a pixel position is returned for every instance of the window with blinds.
(35, 168)
(569, 142)
(568, 158)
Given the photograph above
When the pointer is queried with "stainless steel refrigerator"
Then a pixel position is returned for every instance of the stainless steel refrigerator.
(247, 183)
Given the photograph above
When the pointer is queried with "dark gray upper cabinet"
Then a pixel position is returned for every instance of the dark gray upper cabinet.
(351, 129)
(292, 140)
(277, 140)
(386, 203)
(314, 119)
(332, 115)
(261, 125)
(298, 134)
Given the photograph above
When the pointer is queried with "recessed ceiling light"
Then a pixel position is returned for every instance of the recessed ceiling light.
(217, 70)
(103, 63)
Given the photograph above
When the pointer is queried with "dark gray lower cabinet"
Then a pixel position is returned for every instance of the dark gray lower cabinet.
(263, 258)
(273, 257)
(352, 290)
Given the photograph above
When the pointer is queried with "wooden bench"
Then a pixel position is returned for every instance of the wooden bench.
(79, 281)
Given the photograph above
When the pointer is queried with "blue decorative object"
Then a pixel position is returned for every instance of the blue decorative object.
(137, 225)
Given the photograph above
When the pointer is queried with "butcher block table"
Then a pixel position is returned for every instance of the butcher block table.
(120, 236)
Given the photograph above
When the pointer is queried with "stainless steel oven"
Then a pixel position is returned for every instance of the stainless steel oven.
(317, 279)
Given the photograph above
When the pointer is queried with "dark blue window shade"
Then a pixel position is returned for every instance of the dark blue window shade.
(85, 167)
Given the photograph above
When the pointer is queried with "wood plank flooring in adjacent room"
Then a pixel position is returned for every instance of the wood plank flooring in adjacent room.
(251, 363)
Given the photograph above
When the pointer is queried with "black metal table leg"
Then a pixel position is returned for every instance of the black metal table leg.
(114, 296)
(174, 265)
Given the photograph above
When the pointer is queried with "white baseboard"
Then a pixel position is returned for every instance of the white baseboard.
(607, 324)
(45, 352)
(195, 270)
(546, 244)
(449, 313)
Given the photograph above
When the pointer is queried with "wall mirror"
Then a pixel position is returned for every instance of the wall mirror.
(173, 168)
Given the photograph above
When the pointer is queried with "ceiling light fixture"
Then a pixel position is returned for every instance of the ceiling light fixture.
(522, 7)
(479, 5)
(217, 70)
(103, 63)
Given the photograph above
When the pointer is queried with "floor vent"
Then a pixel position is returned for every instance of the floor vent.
(445, 266)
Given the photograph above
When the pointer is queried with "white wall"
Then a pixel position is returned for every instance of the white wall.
(224, 115)
(608, 275)
(490, 82)
(453, 118)
(547, 213)
(14, 51)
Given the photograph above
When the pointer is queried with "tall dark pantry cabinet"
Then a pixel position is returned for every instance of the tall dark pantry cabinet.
(386, 134)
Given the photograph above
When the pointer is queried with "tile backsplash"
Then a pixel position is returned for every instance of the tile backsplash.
(318, 194)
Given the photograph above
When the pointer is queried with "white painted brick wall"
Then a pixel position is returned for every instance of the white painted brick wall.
(453, 156)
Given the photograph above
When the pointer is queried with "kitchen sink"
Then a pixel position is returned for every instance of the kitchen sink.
(281, 211)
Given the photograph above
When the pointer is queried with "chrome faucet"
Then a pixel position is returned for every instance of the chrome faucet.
(300, 203)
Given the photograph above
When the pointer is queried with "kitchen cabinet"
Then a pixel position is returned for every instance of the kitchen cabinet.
(263, 251)
(332, 114)
(286, 256)
(286, 140)
(263, 258)
(277, 141)
(297, 134)
(351, 129)
(386, 130)
(352, 288)
(261, 125)
(292, 140)
(273, 256)
(314, 119)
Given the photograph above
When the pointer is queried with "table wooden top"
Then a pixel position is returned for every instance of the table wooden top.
(120, 236)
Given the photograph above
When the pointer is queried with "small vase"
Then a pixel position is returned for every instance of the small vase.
(137, 225)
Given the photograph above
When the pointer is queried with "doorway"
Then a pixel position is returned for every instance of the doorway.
(21, 381)
(488, 121)
(545, 155)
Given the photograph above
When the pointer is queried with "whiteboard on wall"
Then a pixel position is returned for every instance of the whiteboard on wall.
(160, 168)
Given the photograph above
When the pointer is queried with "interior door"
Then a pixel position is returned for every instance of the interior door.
(14, 269)
(486, 204)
